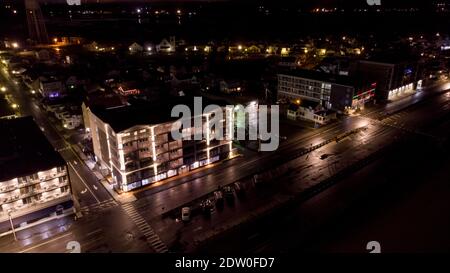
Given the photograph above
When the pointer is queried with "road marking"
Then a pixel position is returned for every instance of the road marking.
(152, 239)
(93, 232)
(82, 180)
(44, 243)
(95, 187)
(83, 191)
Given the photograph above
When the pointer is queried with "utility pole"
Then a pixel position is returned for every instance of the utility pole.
(12, 225)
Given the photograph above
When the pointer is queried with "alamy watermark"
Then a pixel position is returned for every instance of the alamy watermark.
(232, 122)
(73, 2)
(374, 2)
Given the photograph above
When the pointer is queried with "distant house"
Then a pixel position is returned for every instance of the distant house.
(181, 83)
(183, 79)
(135, 48)
(92, 46)
(71, 120)
(51, 87)
(73, 81)
(310, 111)
(43, 55)
(166, 46)
(230, 86)
(289, 62)
(253, 49)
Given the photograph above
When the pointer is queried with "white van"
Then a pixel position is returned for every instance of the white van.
(186, 213)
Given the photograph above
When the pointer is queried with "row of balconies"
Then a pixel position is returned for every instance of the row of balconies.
(34, 202)
(16, 196)
(29, 182)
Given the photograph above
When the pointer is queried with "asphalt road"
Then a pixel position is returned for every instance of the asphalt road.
(317, 224)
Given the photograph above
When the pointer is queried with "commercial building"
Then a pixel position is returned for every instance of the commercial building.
(395, 74)
(34, 180)
(135, 144)
(333, 92)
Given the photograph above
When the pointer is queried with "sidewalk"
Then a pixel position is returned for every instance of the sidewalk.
(68, 212)
(128, 197)
(177, 180)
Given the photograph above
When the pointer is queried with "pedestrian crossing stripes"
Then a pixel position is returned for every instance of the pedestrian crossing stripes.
(99, 206)
(152, 238)
(63, 149)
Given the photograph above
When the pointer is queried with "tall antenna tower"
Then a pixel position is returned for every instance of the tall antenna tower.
(36, 25)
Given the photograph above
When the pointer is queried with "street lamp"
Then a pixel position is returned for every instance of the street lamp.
(12, 225)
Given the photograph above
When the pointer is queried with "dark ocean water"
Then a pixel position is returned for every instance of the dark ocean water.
(226, 22)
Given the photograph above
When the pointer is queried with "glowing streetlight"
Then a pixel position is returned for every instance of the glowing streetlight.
(14, 106)
(15, 45)
(55, 40)
(239, 47)
(149, 48)
(3, 89)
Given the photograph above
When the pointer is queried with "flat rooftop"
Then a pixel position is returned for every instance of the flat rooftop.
(24, 149)
(392, 57)
(319, 76)
(146, 113)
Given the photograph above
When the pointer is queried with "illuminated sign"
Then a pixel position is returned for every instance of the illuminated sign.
(128, 92)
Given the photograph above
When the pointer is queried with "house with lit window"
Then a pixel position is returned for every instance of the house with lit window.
(310, 111)
(231, 86)
(134, 142)
(34, 179)
(51, 87)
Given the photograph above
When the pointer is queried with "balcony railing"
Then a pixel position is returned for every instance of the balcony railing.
(15, 197)
(34, 203)
(30, 182)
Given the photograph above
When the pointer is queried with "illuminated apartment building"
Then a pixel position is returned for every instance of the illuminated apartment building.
(34, 182)
(336, 92)
(135, 143)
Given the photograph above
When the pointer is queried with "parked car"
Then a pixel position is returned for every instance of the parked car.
(186, 214)
(239, 189)
(228, 192)
(207, 207)
(218, 196)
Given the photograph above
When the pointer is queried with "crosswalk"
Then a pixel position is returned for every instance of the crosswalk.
(98, 207)
(152, 238)
(63, 149)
